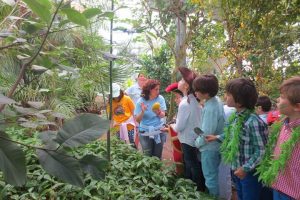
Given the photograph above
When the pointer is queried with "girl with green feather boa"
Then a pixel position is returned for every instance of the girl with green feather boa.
(244, 138)
(280, 167)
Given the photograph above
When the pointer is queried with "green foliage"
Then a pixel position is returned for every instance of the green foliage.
(12, 161)
(205, 45)
(260, 32)
(81, 130)
(75, 16)
(91, 12)
(131, 176)
(41, 7)
(54, 156)
(159, 66)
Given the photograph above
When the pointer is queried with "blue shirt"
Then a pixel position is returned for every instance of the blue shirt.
(212, 122)
(150, 118)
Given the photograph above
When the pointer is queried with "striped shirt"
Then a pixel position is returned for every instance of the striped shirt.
(288, 180)
(253, 139)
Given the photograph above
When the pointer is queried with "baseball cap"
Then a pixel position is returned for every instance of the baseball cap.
(115, 90)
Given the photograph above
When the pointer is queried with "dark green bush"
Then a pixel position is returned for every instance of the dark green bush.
(131, 175)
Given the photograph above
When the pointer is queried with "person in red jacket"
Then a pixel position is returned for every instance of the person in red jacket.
(177, 152)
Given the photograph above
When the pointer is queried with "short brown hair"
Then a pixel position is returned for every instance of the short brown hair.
(265, 103)
(149, 85)
(291, 88)
(243, 91)
(207, 83)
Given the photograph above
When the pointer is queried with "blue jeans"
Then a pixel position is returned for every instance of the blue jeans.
(210, 165)
(192, 166)
(280, 196)
(149, 146)
(248, 188)
(130, 136)
(225, 184)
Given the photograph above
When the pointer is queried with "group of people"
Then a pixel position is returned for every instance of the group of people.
(217, 140)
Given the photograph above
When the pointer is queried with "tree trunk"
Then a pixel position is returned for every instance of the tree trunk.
(180, 38)
(180, 53)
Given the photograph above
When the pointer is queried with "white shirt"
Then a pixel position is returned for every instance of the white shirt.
(188, 117)
(134, 92)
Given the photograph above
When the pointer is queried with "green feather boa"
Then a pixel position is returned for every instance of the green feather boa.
(269, 167)
(230, 145)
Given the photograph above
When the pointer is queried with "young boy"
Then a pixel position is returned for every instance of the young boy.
(244, 138)
(280, 166)
(263, 107)
(206, 88)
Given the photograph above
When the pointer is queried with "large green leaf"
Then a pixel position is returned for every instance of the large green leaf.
(91, 12)
(94, 165)
(109, 14)
(82, 130)
(47, 136)
(47, 4)
(12, 161)
(61, 166)
(41, 8)
(75, 16)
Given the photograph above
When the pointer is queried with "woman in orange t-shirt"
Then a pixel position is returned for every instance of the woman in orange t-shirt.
(122, 115)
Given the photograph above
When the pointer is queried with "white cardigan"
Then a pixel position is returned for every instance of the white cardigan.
(188, 117)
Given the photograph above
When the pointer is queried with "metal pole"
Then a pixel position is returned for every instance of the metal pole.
(110, 81)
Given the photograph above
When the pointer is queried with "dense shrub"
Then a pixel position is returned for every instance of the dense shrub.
(131, 175)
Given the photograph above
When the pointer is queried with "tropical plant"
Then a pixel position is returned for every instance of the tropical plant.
(131, 175)
(54, 154)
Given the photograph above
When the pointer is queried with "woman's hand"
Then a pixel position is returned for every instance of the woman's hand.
(159, 113)
(143, 107)
(140, 116)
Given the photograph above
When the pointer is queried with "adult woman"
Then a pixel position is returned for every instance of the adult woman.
(151, 138)
(188, 118)
(122, 115)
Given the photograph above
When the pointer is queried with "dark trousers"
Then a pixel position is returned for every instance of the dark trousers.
(266, 193)
(248, 188)
(281, 196)
(150, 147)
(192, 166)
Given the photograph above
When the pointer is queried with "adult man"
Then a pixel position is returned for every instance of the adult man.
(134, 92)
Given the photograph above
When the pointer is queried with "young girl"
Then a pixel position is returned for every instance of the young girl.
(122, 115)
(188, 117)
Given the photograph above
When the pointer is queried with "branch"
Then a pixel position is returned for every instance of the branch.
(11, 45)
(26, 145)
(25, 65)
(168, 40)
(217, 65)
